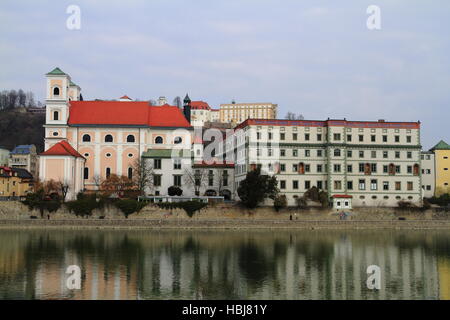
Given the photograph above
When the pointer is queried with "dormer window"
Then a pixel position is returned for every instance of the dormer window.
(130, 138)
(86, 138)
(159, 140)
(108, 138)
(55, 114)
(56, 91)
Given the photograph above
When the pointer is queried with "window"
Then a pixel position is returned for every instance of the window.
(409, 169)
(386, 186)
(373, 184)
(295, 168)
(55, 134)
(108, 155)
(373, 167)
(282, 167)
(86, 173)
(319, 185)
(86, 138)
(362, 167)
(282, 153)
(408, 139)
(158, 140)
(55, 115)
(337, 137)
(349, 138)
(410, 186)
(306, 136)
(282, 136)
(319, 137)
(295, 153)
(319, 168)
(108, 138)
(307, 153)
(307, 168)
(108, 172)
(361, 138)
(56, 91)
(130, 155)
(385, 154)
(361, 154)
(319, 153)
(385, 138)
(337, 152)
(349, 168)
(337, 168)
(397, 169)
(258, 135)
(176, 164)
(398, 186)
(397, 138)
(373, 138)
(270, 135)
(157, 163)
(373, 154)
(349, 153)
(337, 185)
(350, 185)
(294, 136)
(177, 180)
(409, 155)
(307, 184)
(295, 184)
(282, 184)
(130, 138)
(362, 184)
(157, 180)
(397, 154)
(130, 173)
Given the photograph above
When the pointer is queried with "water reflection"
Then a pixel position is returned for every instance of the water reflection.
(224, 265)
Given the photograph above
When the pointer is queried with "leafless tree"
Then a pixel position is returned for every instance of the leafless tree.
(63, 187)
(196, 178)
(97, 181)
(294, 116)
(142, 174)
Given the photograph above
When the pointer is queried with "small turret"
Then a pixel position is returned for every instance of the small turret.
(187, 108)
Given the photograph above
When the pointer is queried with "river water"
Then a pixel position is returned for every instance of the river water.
(320, 264)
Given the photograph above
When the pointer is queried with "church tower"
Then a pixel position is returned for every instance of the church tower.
(60, 90)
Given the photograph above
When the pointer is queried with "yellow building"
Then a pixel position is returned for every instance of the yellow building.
(442, 158)
(15, 182)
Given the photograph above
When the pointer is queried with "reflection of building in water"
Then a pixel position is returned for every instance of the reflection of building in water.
(444, 278)
(99, 281)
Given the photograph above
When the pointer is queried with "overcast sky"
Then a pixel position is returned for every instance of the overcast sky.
(317, 58)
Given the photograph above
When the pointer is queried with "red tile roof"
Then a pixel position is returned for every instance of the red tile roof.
(62, 148)
(200, 105)
(125, 97)
(135, 113)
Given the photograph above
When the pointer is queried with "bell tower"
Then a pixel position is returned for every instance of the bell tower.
(57, 106)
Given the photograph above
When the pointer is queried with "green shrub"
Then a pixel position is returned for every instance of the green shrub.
(190, 207)
(84, 205)
(280, 202)
(129, 206)
(41, 202)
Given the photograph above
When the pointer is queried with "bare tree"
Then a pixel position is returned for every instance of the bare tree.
(97, 181)
(294, 116)
(196, 178)
(177, 102)
(142, 174)
(63, 187)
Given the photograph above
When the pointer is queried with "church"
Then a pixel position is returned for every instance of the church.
(88, 141)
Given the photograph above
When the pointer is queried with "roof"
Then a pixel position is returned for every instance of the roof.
(71, 83)
(442, 145)
(214, 164)
(330, 123)
(56, 72)
(166, 153)
(343, 196)
(133, 113)
(62, 148)
(125, 97)
(22, 149)
(200, 105)
(21, 173)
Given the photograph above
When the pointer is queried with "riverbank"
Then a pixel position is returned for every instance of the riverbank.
(224, 224)
(225, 216)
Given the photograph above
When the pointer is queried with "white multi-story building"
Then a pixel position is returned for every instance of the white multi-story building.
(428, 173)
(376, 163)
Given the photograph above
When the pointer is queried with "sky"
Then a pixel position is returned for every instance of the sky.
(317, 58)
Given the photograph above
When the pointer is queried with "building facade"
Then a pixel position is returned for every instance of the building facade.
(442, 166)
(377, 163)
(15, 182)
(25, 157)
(428, 173)
(239, 112)
(4, 156)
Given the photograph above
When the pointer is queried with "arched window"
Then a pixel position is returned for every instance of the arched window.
(130, 138)
(130, 173)
(108, 172)
(177, 140)
(56, 91)
(108, 138)
(86, 138)
(55, 115)
(86, 173)
(159, 140)
(337, 152)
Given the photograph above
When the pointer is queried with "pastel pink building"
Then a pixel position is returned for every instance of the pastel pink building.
(87, 141)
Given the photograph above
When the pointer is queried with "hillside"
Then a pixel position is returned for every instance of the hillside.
(21, 128)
